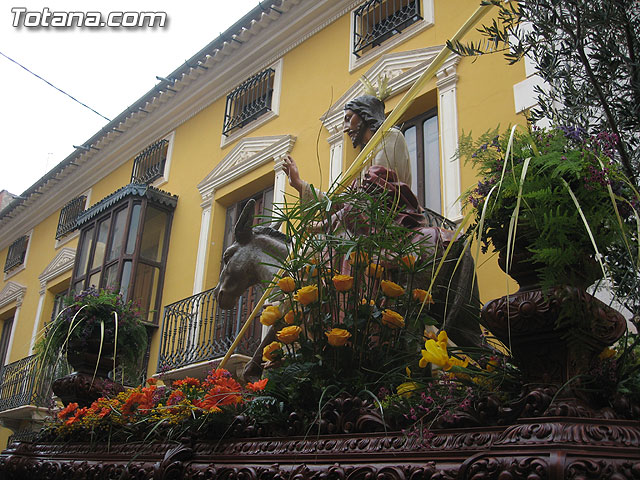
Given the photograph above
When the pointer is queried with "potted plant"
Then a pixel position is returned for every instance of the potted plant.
(555, 206)
(96, 331)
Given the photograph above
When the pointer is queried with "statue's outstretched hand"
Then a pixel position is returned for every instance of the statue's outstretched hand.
(291, 169)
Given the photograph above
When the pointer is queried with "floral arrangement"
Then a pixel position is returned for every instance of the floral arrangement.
(167, 411)
(557, 194)
(100, 315)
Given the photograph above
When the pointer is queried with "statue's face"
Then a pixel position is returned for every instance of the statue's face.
(354, 127)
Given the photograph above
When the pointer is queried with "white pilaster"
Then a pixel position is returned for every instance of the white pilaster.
(36, 322)
(448, 120)
(203, 241)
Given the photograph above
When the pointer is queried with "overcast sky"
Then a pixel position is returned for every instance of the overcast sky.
(108, 69)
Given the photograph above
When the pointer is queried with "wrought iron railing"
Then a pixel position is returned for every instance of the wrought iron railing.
(437, 220)
(17, 252)
(193, 332)
(24, 383)
(377, 20)
(69, 215)
(149, 164)
(248, 101)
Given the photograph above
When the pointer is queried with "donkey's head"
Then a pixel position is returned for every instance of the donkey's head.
(250, 260)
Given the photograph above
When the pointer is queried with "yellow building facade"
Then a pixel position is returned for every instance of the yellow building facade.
(148, 203)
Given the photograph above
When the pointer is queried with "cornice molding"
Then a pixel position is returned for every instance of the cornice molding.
(12, 292)
(247, 155)
(61, 263)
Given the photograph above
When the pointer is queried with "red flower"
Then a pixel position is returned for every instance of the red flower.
(187, 381)
(152, 381)
(257, 386)
(67, 410)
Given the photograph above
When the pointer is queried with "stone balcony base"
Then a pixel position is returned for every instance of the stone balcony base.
(537, 448)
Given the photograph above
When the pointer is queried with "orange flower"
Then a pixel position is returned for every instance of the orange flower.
(289, 334)
(186, 382)
(375, 271)
(342, 283)
(371, 302)
(67, 410)
(421, 295)
(358, 258)
(337, 337)
(257, 386)
(152, 381)
(391, 289)
(307, 295)
(287, 284)
(392, 319)
(290, 317)
(409, 261)
(607, 353)
(270, 315)
(269, 351)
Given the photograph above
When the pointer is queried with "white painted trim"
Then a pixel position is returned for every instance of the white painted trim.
(61, 263)
(428, 20)
(203, 241)
(158, 182)
(12, 292)
(36, 323)
(5, 360)
(448, 124)
(23, 265)
(247, 155)
(273, 113)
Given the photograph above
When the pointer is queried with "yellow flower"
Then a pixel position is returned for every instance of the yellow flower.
(289, 317)
(409, 261)
(391, 289)
(371, 302)
(436, 353)
(307, 295)
(358, 258)
(406, 389)
(342, 282)
(392, 319)
(287, 284)
(270, 315)
(420, 295)
(607, 353)
(375, 271)
(337, 337)
(459, 362)
(443, 339)
(268, 352)
(289, 334)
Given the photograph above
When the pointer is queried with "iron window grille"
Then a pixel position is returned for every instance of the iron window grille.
(68, 216)
(16, 254)
(377, 20)
(249, 101)
(149, 164)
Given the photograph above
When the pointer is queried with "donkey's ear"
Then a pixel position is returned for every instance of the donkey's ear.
(244, 225)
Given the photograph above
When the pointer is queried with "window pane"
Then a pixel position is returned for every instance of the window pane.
(77, 287)
(410, 137)
(119, 225)
(126, 279)
(432, 164)
(133, 229)
(111, 276)
(94, 280)
(101, 243)
(153, 232)
(83, 257)
(145, 289)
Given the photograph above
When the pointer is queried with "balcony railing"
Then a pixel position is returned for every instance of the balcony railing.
(248, 101)
(193, 332)
(69, 215)
(23, 383)
(16, 254)
(377, 20)
(149, 164)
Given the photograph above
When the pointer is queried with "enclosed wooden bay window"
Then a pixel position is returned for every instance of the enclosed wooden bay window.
(124, 243)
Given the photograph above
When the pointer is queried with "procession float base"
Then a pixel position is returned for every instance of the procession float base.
(533, 448)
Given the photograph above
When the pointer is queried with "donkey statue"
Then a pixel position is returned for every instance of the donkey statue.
(253, 257)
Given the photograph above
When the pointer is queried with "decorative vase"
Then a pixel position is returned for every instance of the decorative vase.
(89, 381)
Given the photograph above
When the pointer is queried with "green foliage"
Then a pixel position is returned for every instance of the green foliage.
(102, 314)
(569, 176)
